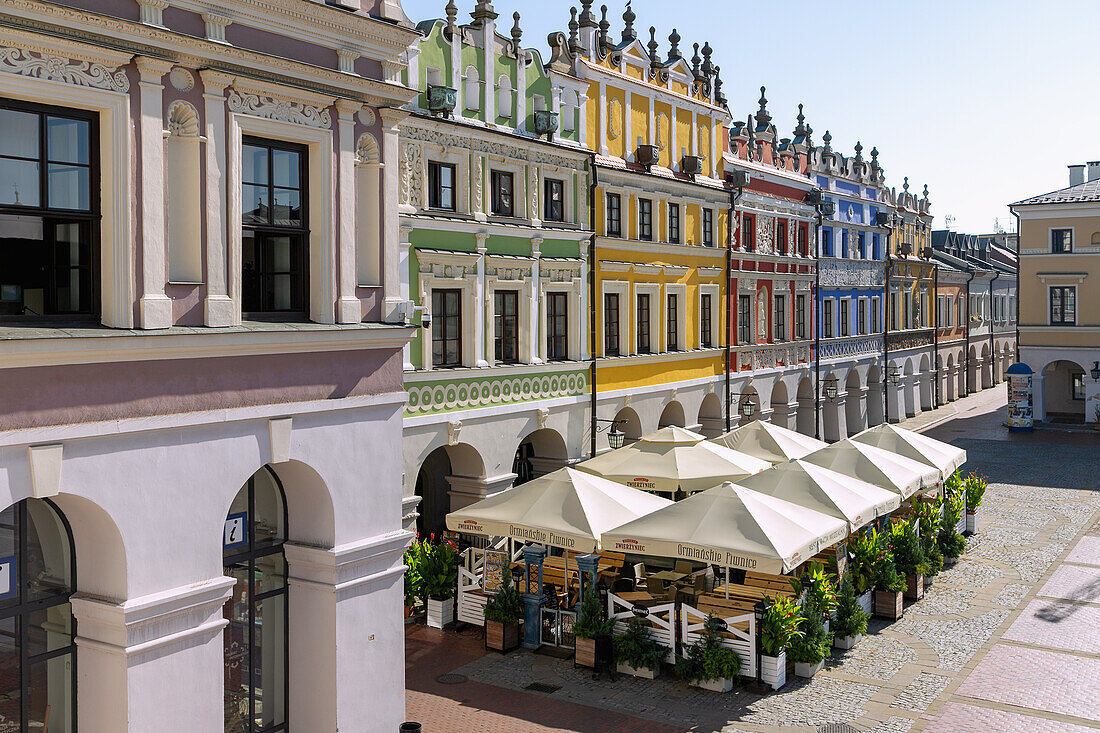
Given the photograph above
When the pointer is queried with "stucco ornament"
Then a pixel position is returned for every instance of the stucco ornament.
(662, 130)
(366, 149)
(183, 119)
(533, 193)
(62, 69)
(762, 313)
(181, 79)
(764, 227)
(279, 109)
(410, 174)
(367, 116)
(478, 176)
(615, 119)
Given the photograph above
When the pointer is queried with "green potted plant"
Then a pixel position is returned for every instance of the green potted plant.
(851, 620)
(930, 515)
(590, 626)
(889, 585)
(778, 627)
(949, 542)
(975, 491)
(637, 653)
(439, 573)
(503, 617)
(909, 557)
(707, 664)
(809, 649)
(820, 590)
(867, 550)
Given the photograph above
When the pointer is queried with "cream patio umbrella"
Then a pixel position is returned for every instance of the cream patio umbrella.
(730, 526)
(876, 466)
(673, 459)
(567, 509)
(826, 491)
(769, 442)
(944, 457)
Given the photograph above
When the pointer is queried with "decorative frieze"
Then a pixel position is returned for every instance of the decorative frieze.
(850, 347)
(411, 175)
(851, 273)
(59, 68)
(449, 139)
(448, 395)
(282, 110)
(151, 12)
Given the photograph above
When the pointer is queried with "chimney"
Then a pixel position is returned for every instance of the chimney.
(1094, 170)
(1077, 174)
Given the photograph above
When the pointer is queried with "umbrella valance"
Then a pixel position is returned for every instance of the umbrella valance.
(567, 509)
(730, 526)
(944, 457)
(826, 491)
(769, 442)
(876, 466)
(673, 459)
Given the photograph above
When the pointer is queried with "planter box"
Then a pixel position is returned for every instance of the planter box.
(773, 670)
(888, 605)
(720, 685)
(807, 670)
(644, 673)
(440, 612)
(502, 637)
(867, 602)
(585, 653)
(971, 522)
(914, 587)
(846, 642)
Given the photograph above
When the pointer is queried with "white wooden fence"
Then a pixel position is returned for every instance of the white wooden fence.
(471, 595)
(661, 618)
(692, 621)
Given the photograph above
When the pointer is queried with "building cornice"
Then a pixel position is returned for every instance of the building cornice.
(683, 250)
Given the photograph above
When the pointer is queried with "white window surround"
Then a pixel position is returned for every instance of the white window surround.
(471, 312)
(460, 159)
(1076, 302)
(520, 194)
(654, 217)
(873, 325)
(322, 260)
(504, 96)
(656, 317)
(1072, 239)
(680, 291)
(564, 175)
(523, 286)
(568, 112)
(575, 323)
(715, 313)
(626, 330)
(863, 305)
(116, 292)
(433, 76)
(777, 299)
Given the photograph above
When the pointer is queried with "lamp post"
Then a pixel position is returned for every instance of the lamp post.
(758, 612)
(748, 407)
(1095, 371)
(738, 180)
(615, 437)
(884, 220)
(831, 390)
(822, 209)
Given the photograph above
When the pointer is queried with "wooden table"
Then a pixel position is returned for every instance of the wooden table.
(636, 596)
(670, 576)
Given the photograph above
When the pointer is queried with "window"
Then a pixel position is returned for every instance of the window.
(779, 321)
(49, 207)
(827, 242)
(744, 319)
(893, 310)
(844, 243)
(748, 233)
(674, 223)
(446, 328)
(1078, 385)
(705, 340)
(611, 324)
(861, 316)
(708, 227)
(1063, 305)
(845, 306)
(939, 311)
(907, 312)
(862, 244)
(502, 204)
(827, 319)
(803, 236)
(614, 215)
(506, 321)
(1061, 241)
(275, 257)
(876, 250)
(781, 237)
(255, 639)
(800, 316)
(441, 186)
(553, 200)
(949, 312)
(557, 326)
(644, 346)
(645, 220)
(672, 330)
(876, 323)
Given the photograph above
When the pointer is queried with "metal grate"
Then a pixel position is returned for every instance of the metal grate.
(452, 679)
(837, 728)
(542, 687)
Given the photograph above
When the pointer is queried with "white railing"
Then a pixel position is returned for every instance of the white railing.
(661, 619)
(692, 621)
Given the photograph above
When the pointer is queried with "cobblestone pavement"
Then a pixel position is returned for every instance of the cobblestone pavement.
(1004, 640)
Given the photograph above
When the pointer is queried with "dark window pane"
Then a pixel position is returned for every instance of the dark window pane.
(19, 181)
(287, 209)
(24, 266)
(67, 140)
(69, 187)
(10, 686)
(49, 629)
(269, 661)
(72, 269)
(50, 695)
(284, 165)
(254, 164)
(254, 204)
(235, 656)
(47, 553)
(20, 138)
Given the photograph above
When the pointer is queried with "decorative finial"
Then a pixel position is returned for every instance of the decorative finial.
(652, 46)
(763, 117)
(629, 34)
(719, 98)
(708, 66)
(695, 61)
(483, 11)
(859, 152)
(926, 192)
(905, 185)
(605, 26)
(588, 20)
(574, 40)
(674, 50)
(452, 16)
(827, 138)
(800, 129)
(517, 33)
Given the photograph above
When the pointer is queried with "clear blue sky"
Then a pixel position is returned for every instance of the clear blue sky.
(986, 101)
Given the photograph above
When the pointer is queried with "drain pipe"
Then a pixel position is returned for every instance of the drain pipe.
(966, 349)
(817, 322)
(729, 304)
(886, 383)
(992, 320)
(593, 307)
(936, 333)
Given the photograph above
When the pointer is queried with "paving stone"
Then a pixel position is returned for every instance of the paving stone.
(814, 702)
(943, 600)
(1087, 551)
(1030, 563)
(956, 717)
(891, 725)
(920, 693)
(1037, 679)
(969, 573)
(954, 640)
(1076, 512)
(1002, 537)
(1011, 595)
(1018, 517)
(877, 656)
(1073, 583)
(1066, 532)
(1070, 626)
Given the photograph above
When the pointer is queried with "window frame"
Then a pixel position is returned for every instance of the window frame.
(781, 237)
(609, 322)
(553, 321)
(675, 230)
(748, 232)
(844, 308)
(779, 317)
(645, 219)
(1076, 378)
(876, 317)
(499, 324)
(548, 184)
(744, 319)
(827, 311)
(438, 320)
(672, 324)
(800, 331)
(1061, 248)
(861, 316)
(706, 320)
(643, 317)
(1063, 289)
(706, 218)
(496, 204)
(803, 239)
(617, 219)
(436, 187)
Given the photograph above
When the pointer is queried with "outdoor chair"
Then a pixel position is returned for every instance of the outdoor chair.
(623, 585)
(639, 572)
(683, 566)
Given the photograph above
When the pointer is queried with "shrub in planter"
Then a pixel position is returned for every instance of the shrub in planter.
(889, 585)
(909, 557)
(779, 626)
(636, 652)
(975, 487)
(867, 551)
(503, 613)
(412, 581)
(437, 564)
(819, 587)
(707, 664)
(590, 625)
(809, 650)
(851, 619)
